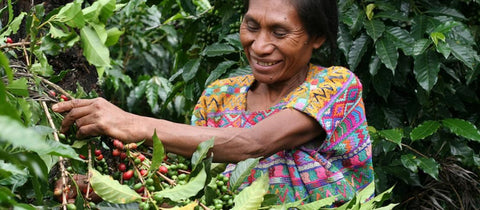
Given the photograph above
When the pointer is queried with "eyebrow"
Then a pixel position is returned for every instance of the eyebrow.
(275, 25)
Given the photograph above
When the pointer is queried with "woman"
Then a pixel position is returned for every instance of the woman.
(307, 121)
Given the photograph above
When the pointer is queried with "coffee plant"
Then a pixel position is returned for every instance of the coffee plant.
(418, 62)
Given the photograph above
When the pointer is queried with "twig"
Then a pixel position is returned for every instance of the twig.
(203, 206)
(62, 166)
(89, 173)
(12, 45)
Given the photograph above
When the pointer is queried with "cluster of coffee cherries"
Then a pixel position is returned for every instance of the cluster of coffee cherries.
(224, 197)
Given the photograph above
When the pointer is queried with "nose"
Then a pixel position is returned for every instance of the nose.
(262, 44)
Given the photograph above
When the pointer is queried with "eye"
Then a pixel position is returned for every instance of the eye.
(280, 33)
(252, 26)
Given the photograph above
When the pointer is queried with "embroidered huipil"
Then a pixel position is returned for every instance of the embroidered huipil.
(340, 164)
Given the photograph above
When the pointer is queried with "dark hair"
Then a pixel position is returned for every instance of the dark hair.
(319, 17)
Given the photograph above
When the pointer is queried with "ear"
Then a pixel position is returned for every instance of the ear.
(318, 41)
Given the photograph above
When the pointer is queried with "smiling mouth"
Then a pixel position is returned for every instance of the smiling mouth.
(267, 63)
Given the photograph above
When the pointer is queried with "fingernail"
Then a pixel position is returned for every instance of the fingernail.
(55, 106)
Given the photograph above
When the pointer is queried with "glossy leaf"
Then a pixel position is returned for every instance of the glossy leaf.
(201, 153)
(219, 71)
(18, 87)
(99, 11)
(56, 32)
(374, 28)
(184, 192)
(113, 35)
(426, 68)
(20, 137)
(424, 130)
(14, 25)
(463, 53)
(376, 201)
(394, 135)
(241, 172)
(429, 166)
(387, 52)
(190, 69)
(158, 153)
(357, 51)
(411, 162)
(344, 39)
(94, 49)
(420, 46)
(374, 66)
(462, 128)
(218, 49)
(251, 197)
(71, 14)
(446, 11)
(111, 190)
(401, 38)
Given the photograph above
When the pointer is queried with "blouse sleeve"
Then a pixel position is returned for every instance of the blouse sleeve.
(334, 98)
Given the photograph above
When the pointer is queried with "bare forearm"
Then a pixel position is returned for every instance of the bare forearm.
(231, 144)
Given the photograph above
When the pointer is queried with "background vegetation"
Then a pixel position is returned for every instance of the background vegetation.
(418, 62)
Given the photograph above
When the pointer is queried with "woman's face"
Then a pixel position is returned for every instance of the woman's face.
(277, 46)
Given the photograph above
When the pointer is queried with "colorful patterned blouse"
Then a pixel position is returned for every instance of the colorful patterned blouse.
(340, 164)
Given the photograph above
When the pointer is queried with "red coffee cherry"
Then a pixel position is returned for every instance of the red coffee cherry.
(118, 144)
(64, 97)
(100, 157)
(9, 40)
(116, 152)
(144, 172)
(128, 174)
(163, 169)
(98, 152)
(122, 167)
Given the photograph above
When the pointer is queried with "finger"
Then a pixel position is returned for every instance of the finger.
(69, 105)
(87, 131)
(74, 115)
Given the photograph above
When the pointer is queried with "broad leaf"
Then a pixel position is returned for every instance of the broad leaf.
(359, 46)
(93, 48)
(218, 49)
(113, 35)
(401, 38)
(14, 25)
(318, 204)
(446, 11)
(410, 161)
(462, 128)
(71, 14)
(464, 53)
(99, 11)
(387, 52)
(20, 137)
(374, 65)
(111, 190)
(6, 109)
(429, 166)
(344, 39)
(424, 130)
(241, 171)
(201, 152)
(184, 192)
(251, 197)
(394, 135)
(158, 153)
(420, 46)
(190, 69)
(56, 32)
(426, 68)
(18, 87)
(374, 28)
(378, 200)
(444, 48)
(219, 71)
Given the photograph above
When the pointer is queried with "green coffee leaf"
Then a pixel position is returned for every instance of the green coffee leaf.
(410, 161)
(359, 47)
(14, 25)
(369, 11)
(56, 32)
(111, 190)
(462, 128)
(401, 38)
(219, 71)
(93, 48)
(374, 28)
(19, 136)
(429, 166)
(113, 35)
(218, 49)
(201, 152)
(18, 87)
(190, 69)
(241, 172)
(344, 39)
(426, 68)
(387, 52)
(424, 130)
(99, 11)
(420, 46)
(158, 153)
(251, 197)
(184, 192)
(394, 135)
(464, 53)
(377, 200)
(71, 14)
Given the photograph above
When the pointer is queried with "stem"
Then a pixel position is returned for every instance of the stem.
(17, 44)
(89, 173)
(62, 166)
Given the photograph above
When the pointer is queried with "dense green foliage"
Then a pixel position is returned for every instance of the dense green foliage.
(418, 62)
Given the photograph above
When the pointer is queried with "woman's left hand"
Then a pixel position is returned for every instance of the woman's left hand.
(95, 117)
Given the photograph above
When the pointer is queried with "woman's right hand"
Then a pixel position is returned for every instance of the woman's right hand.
(95, 117)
